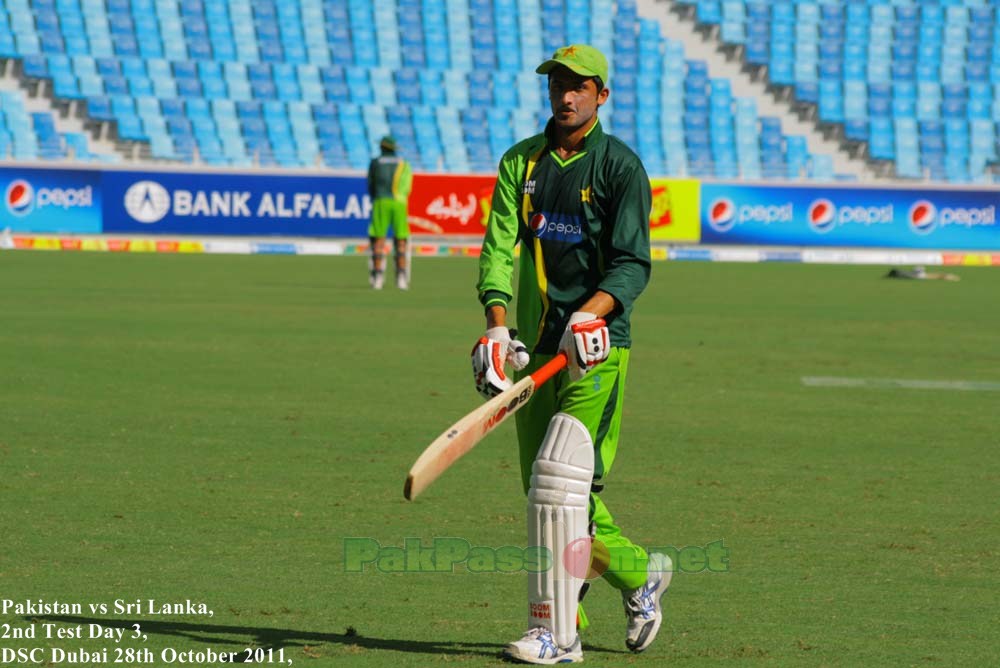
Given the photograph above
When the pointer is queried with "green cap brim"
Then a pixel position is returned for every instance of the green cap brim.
(553, 63)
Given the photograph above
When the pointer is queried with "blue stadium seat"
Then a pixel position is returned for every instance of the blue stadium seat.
(174, 108)
(99, 108)
(334, 84)
(881, 139)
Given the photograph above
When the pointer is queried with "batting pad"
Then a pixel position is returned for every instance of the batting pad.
(558, 502)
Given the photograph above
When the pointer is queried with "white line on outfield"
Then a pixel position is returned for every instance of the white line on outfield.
(900, 383)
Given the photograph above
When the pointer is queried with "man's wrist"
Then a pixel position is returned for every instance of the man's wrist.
(496, 316)
(601, 303)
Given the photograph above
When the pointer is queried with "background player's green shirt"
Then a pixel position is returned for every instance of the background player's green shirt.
(389, 176)
(585, 227)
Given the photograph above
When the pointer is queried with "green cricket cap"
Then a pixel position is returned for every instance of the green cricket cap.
(581, 58)
(388, 142)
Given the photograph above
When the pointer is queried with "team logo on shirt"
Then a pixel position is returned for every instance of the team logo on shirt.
(538, 223)
(556, 226)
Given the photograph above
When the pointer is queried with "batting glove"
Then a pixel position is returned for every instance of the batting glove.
(586, 343)
(494, 349)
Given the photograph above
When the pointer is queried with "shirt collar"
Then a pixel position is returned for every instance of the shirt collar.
(591, 139)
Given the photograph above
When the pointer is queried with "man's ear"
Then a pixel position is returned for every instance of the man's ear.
(602, 97)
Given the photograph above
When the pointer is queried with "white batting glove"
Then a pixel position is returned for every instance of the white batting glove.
(491, 352)
(586, 343)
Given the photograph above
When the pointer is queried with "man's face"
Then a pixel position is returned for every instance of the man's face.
(574, 98)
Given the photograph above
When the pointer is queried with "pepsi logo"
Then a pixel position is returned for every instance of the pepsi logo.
(538, 223)
(923, 217)
(822, 215)
(556, 227)
(20, 197)
(722, 214)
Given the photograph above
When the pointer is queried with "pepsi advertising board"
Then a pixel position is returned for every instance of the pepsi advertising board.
(46, 200)
(950, 219)
(235, 204)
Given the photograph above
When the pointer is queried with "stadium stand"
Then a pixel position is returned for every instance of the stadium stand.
(299, 83)
(914, 82)
(32, 135)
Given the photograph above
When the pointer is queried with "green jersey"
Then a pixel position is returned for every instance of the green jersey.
(390, 177)
(584, 224)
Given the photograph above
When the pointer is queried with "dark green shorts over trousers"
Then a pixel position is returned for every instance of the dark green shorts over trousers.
(596, 401)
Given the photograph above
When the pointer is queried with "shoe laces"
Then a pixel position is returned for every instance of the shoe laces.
(535, 632)
(544, 638)
(642, 602)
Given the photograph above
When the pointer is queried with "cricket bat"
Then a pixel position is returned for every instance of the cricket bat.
(467, 432)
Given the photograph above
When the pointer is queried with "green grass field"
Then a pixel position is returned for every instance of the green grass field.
(212, 428)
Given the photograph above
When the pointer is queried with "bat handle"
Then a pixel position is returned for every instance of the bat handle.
(551, 368)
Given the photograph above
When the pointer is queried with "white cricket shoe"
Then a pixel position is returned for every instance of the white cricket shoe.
(402, 281)
(539, 647)
(642, 606)
(379, 280)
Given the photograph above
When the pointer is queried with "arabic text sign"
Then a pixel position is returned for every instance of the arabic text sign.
(450, 204)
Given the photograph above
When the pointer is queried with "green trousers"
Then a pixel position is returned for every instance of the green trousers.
(596, 401)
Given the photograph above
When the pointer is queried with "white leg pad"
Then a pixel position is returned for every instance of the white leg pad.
(558, 505)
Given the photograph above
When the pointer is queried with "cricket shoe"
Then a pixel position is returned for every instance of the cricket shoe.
(378, 280)
(402, 281)
(643, 614)
(539, 647)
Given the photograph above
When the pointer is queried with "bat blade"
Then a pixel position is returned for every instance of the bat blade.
(467, 432)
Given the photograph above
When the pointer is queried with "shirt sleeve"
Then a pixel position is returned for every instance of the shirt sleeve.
(496, 261)
(405, 182)
(626, 248)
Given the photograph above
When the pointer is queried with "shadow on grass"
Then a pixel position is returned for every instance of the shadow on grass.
(266, 638)
(277, 638)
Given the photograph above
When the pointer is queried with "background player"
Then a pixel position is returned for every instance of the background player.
(389, 182)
